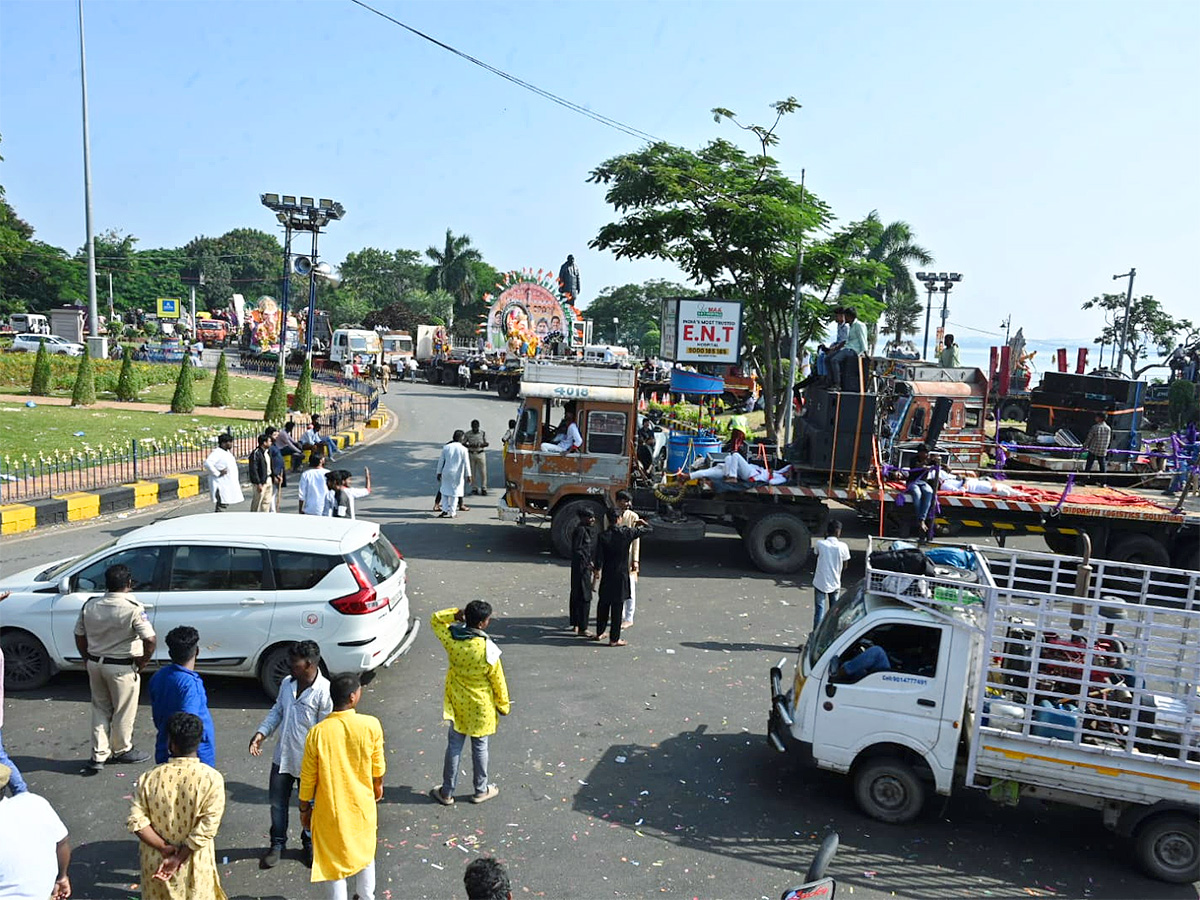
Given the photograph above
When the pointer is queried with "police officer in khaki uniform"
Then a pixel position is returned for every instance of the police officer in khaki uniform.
(476, 442)
(115, 637)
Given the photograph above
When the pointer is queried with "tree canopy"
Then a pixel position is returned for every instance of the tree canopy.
(637, 307)
(1150, 328)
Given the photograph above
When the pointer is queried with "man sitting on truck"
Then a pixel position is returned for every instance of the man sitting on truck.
(567, 436)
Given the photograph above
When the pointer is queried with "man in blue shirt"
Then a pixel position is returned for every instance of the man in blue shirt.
(177, 688)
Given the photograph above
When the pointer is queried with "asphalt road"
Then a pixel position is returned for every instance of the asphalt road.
(630, 772)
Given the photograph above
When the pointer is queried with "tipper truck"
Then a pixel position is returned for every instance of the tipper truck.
(1020, 673)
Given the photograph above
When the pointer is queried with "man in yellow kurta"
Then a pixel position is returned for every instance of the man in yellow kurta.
(341, 781)
(177, 809)
(475, 693)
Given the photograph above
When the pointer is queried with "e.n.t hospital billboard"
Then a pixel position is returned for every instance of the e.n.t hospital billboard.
(701, 330)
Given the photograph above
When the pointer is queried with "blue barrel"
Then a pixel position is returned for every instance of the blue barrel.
(684, 449)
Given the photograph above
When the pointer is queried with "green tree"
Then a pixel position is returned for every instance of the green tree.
(42, 373)
(276, 410)
(637, 307)
(452, 271)
(84, 392)
(894, 246)
(1183, 402)
(127, 381)
(184, 400)
(1150, 328)
(220, 386)
(304, 389)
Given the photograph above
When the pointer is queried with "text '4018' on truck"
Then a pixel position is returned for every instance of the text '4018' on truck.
(1020, 673)
(577, 436)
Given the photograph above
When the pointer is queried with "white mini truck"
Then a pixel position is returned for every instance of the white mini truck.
(1021, 673)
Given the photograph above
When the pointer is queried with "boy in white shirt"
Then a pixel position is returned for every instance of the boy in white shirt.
(832, 555)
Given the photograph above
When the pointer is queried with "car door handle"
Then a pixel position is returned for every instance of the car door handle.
(147, 606)
(250, 601)
(925, 702)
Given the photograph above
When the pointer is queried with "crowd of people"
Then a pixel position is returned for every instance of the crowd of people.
(326, 752)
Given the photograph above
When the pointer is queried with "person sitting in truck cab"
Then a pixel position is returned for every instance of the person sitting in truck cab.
(567, 436)
(907, 649)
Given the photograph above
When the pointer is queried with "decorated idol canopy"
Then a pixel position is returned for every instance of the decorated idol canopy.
(531, 309)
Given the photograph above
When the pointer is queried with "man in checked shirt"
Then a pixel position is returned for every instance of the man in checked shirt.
(1096, 444)
(303, 701)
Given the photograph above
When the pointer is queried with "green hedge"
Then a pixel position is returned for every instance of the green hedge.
(16, 370)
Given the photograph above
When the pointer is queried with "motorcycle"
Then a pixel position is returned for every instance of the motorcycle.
(816, 883)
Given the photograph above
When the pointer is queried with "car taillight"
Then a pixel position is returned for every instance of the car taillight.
(364, 600)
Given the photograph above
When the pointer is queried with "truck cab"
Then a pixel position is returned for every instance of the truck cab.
(349, 343)
(397, 349)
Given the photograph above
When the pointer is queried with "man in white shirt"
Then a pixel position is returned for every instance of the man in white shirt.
(412, 370)
(34, 850)
(568, 437)
(312, 485)
(223, 474)
(832, 555)
(464, 375)
(303, 701)
(453, 471)
(339, 503)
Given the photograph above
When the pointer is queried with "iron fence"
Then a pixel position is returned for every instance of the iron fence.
(24, 480)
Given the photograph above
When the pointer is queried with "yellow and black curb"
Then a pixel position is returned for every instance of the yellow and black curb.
(16, 518)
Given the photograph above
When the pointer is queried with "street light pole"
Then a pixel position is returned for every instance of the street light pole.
(929, 279)
(1125, 321)
(793, 358)
(93, 313)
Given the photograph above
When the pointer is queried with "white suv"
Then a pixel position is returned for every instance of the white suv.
(29, 343)
(251, 584)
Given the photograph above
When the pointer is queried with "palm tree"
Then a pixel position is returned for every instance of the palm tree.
(451, 270)
(893, 246)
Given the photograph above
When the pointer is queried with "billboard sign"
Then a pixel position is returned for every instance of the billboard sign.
(168, 308)
(700, 330)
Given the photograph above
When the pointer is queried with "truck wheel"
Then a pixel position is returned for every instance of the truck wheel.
(1140, 549)
(1014, 411)
(507, 388)
(778, 543)
(1168, 848)
(1065, 544)
(564, 520)
(26, 663)
(888, 790)
(689, 528)
(434, 375)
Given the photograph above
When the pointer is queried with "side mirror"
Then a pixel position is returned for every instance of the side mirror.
(64, 584)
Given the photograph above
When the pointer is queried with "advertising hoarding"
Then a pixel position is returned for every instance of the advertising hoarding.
(701, 330)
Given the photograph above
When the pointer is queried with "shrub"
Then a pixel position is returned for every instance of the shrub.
(1182, 403)
(276, 410)
(84, 392)
(220, 386)
(127, 381)
(184, 400)
(39, 386)
(304, 391)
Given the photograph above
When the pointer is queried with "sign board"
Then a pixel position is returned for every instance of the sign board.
(168, 307)
(700, 330)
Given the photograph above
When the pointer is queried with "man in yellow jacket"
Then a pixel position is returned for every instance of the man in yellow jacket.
(475, 693)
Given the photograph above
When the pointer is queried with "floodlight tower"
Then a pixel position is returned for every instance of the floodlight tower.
(936, 282)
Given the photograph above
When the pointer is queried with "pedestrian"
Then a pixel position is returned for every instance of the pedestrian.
(832, 556)
(259, 470)
(287, 446)
(176, 811)
(583, 571)
(508, 435)
(453, 472)
(612, 561)
(487, 879)
(949, 357)
(312, 485)
(412, 370)
(113, 633)
(630, 519)
(34, 850)
(303, 701)
(15, 782)
(223, 474)
(475, 693)
(385, 375)
(331, 497)
(464, 375)
(1096, 443)
(476, 443)
(177, 688)
(348, 493)
(278, 469)
(341, 781)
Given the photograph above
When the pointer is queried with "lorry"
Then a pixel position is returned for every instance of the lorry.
(212, 332)
(1015, 672)
(348, 344)
(397, 348)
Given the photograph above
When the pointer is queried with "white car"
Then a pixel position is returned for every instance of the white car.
(251, 584)
(29, 343)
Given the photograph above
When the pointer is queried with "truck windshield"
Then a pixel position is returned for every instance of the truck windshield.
(849, 608)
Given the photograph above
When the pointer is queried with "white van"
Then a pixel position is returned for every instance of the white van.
(29, 323)
(606, 355)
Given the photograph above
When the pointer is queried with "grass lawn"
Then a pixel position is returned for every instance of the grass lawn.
(45, 429)
(244, 392)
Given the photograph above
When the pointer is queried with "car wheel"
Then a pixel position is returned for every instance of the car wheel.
(1168, 848)
(888, 789)
(27, 665)
(273, 668)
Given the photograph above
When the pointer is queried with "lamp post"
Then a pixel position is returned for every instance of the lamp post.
(97, 342)
(1007, 326)
(1125, 321)
(303, 215)
(616, 325)
(936, 282)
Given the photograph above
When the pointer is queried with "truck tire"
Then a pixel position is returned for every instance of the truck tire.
(778, 543)
(508, 388)
(1140, 549)
(1063, 544)
(1168, 848)
(433, 375)
(889, 790)
(688, 528)
(1014, 411)
(564, 520)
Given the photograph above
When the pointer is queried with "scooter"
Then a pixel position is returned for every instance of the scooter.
(816, 884)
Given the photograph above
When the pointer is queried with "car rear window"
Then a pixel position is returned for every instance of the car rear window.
(378, 560)
(301, 571)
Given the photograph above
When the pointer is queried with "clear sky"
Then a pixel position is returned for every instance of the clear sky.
(1036, 147)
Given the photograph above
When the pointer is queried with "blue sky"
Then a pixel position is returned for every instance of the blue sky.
(1036, 147)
